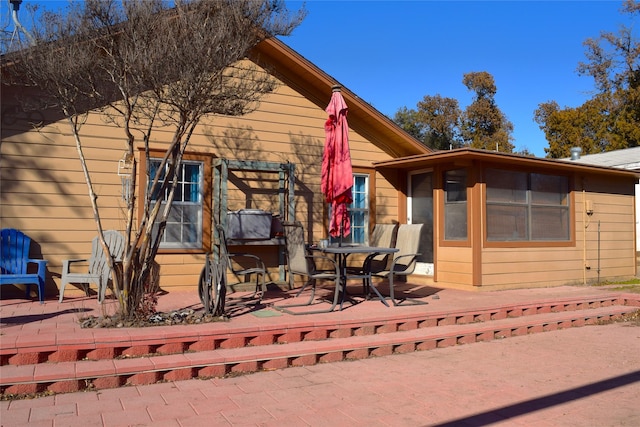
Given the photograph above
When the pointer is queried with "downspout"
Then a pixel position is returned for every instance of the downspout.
(575, 155)
(598, 251)
(584, 235)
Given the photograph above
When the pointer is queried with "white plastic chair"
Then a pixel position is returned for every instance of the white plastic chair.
(98, 271)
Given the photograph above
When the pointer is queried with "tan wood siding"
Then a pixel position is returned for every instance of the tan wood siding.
(455, 267)
(611, 226)
(44, 193)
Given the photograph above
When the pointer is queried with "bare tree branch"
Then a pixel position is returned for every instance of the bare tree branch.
(143, 64)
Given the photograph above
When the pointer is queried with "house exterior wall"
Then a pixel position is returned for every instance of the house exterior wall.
(43, 192)
(603, 249)
(601, 245)
(626, 158)
(454, 267)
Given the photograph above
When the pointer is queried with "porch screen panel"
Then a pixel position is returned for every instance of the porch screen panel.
(526, 206)
(455, 205)
(507, 218)
(549, 207)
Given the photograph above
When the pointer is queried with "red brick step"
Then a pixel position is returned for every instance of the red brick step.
(84, 345)
(440, 331)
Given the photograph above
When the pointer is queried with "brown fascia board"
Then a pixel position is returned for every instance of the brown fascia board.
(316, 85)
(466, 155)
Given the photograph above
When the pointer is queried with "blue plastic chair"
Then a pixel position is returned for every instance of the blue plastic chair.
(15, 262)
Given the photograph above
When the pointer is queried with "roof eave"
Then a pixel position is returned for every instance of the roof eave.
(462, 155)
(316, 85)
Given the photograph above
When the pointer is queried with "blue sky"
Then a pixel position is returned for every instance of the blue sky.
(393, 53)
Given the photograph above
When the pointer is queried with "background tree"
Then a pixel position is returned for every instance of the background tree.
(436, 122)
(484, 125)
(611, 119)
(145, 64)
(440, 124)
(407, 120)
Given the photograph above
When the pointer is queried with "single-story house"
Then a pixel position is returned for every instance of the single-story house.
(494, 221)
(502, 221)
(626, 158)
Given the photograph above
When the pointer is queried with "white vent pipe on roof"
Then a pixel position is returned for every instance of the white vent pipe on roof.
(575, 153)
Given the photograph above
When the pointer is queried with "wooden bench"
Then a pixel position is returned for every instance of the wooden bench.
(16, 268)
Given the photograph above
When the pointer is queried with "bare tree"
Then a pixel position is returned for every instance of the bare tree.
(146, 64)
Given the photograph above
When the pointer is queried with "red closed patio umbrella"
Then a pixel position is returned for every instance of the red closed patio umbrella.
(337, 175)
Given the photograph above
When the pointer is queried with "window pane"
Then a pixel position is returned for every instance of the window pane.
(456, 185)
(191, 214)
(548, 189)
(190, 193)
(359, 200)
(506, 186)
(153, 170)
(527, 206)
(455, 204)
(456, 222)
(359, 184)
(359, 211)
(184, 223)
(191, 172)
(175, 214)
(357, 227)
(190, 233)
(549, 223)
(506, 223)
(422, 212)
(178, 197)
(172, 233)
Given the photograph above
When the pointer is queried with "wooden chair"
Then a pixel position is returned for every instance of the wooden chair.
(98, 269)
(403, 262)
(15, 262)
(301, 262)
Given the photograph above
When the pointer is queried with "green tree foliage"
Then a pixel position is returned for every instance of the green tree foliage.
(443, 117)
(436, 122)
(611, 119)
(484, 125)
(441, 125)
(407, 120)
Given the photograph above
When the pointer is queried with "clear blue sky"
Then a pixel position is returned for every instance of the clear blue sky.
(393, 53)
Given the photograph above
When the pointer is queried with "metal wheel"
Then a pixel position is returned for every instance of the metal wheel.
(212, 287)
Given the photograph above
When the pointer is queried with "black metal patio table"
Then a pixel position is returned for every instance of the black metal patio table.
(341, 252)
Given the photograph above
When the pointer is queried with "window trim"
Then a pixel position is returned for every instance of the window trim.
(206, 197)
(370, 173)
(570, 242)
(439, 198)
(366, 210)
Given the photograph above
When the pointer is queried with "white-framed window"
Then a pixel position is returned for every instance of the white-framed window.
(184, 225)
(358, 211)
(524, 206)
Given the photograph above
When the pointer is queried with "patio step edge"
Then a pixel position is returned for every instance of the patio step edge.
(86, 375)
(181, 339)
